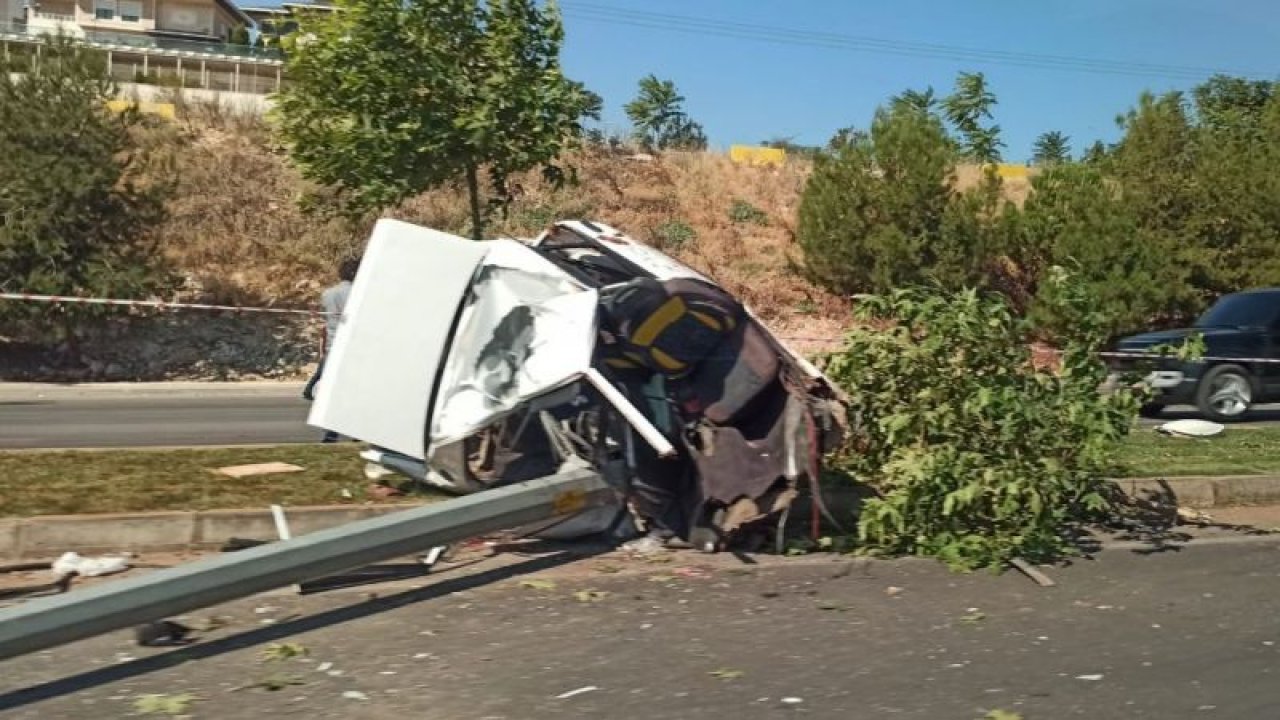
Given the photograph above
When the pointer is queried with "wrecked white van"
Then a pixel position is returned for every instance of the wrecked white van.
(473, 364)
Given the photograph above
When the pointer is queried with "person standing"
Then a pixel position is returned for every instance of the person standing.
(333, 301)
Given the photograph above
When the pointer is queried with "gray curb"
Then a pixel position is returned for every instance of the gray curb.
(47, 536)
(1206, 491)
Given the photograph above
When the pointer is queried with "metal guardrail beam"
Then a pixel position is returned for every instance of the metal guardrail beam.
(48, 622)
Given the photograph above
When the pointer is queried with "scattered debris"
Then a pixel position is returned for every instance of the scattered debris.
(1090, 678)
(975, 616)
(378, 491)
(1193, 516)
(726, 673)
(538, 584)
(892, 590)
(792, 700)
(164, 633)
(646, 545)
(74, 564)
(589, 596)
(276, 652)
(579, 691)
(355, 695)
(163, 704)
(324, 667)
(269, 468)
(273, 683)
(1032, 572)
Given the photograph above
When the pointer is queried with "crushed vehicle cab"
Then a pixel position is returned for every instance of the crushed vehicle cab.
(468, 365)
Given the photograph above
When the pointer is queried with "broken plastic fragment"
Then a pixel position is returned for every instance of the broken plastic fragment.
(73, 563)
(579, 691)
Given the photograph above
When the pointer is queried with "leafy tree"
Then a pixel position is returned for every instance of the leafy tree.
(923, 101)
(879, 212)
(1232, 104)
(1051, 148)
(1074, 218)
(389, 98)
(978, 456)
(79, 192)
(1095, 154)
(658, 117)
(965, 108)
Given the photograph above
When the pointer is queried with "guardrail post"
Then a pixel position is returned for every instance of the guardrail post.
(47, 622)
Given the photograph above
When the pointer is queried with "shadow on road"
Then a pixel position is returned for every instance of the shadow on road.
(1155, 520)
(94, 678)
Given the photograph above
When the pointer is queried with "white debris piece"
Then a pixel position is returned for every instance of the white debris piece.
(1091, 678)
(73, 563)
(1191, 428)
(579, 691)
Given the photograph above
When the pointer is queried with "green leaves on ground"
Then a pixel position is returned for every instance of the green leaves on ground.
(978, 455)
(277, 652)
(163, 704)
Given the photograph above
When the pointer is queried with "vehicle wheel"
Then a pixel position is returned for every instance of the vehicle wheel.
(1225, 393)
(1151, 410)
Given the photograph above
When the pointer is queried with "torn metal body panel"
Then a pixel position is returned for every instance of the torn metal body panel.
(510, 360)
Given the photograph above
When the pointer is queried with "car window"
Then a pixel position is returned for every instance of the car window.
(1246, 310)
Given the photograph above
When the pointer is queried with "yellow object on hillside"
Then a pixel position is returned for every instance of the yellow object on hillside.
(164, 110)
(1009, 172)
(757, 155)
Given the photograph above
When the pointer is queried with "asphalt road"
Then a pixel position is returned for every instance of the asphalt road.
(178, 414)
(1186, 633)
(134, 416)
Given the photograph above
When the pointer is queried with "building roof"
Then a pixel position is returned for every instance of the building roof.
(236, 12)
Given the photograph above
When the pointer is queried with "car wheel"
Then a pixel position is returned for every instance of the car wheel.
(1225, 393)
(1151, 410)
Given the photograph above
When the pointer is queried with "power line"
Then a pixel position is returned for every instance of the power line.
(764, 33)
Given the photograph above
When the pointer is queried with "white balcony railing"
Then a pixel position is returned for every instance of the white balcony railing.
(53, 17)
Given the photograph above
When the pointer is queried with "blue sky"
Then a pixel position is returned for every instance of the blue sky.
(745, 91)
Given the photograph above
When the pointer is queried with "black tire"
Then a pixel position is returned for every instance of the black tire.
(1225, 393)
(1151, 411)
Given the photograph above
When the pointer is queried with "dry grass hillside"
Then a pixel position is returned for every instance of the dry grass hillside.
(236, 230)
(237, 233)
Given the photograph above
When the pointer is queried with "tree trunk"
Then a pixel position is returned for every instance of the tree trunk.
(473, 189)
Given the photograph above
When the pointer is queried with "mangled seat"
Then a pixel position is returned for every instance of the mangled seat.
(724, 376)
(698, 337)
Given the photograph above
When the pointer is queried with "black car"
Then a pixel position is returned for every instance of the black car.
(1241, 332)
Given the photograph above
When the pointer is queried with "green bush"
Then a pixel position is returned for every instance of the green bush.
(978, 456)
(878, 211)
(744, 212)
(1074, 218)
(80, 194)
(674, 235)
